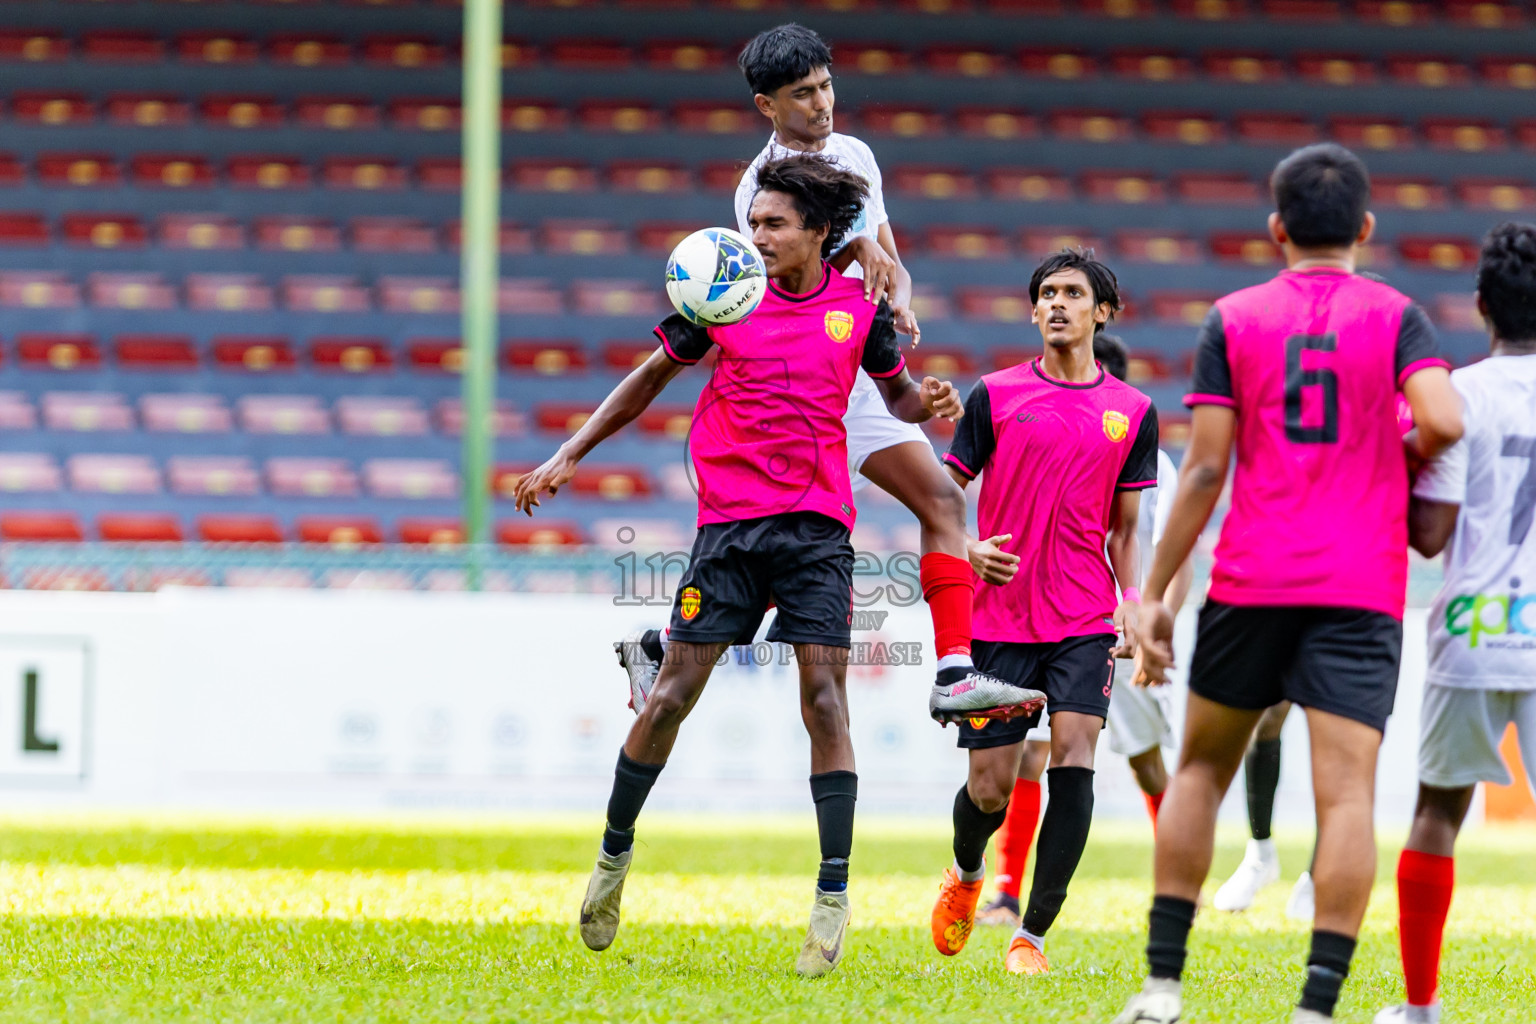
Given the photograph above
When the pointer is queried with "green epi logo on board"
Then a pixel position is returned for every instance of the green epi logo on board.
(1475, 616)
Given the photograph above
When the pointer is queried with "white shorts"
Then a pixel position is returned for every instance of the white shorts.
(872, 428)
(1461, 730)
(1138, 715)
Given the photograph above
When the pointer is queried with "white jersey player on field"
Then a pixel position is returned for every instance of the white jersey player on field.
(1476, 501)
(789, 71)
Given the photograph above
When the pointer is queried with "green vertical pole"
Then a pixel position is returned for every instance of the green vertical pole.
(479, 270)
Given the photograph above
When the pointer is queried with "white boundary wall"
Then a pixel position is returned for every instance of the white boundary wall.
(365, 701)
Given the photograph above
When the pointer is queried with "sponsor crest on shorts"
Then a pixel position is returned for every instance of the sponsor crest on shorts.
(839, 325)
(691, 600)
(1116, 425)
(978, 723)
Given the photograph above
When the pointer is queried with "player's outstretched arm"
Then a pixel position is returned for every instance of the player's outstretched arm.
(913, 403)
(624, 403)
(1436, 411)
(1124, 550)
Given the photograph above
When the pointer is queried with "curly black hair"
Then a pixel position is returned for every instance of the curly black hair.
(1506, 279)
(1106, 287)
(824, 194)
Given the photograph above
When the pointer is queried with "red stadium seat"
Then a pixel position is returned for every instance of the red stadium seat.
(268, 172)
(612, 482)
(428, 114)
(405, 52)
(120, 47)
(336, 113)
(1054, 62)
(1397, 13)
(649, 176)
(1089, 125)
(582, 237)
(1033, 185)
(1027, 8)
(438, 533)
(1511, 72)
(231, 293)
(977, 242)
(1120, 9)
(237, 529)
(624, 356)
(930, 181)
(670, 421)
(873, 58)
(1181, 307)
(113, 474)
(999, 305)
(931, 305)
(33, 46)
(351, 354)
(1359, 132)
(311, 478)
(1467, 134)
(529, 295)
(86, 411)
(515, 54)
(514, 237)
(138, 528)
(1254, 248)
(1211, 10)
(684, 56)
(1506, 195)
(132, 290)
(562, 418)
(589, 55)
(23, 229)
(435, 355)
(216, 48)
(1189, 128)
(996, 123)
(78, 170)
(1037, 242)
(29, 473)
(242, 111)
(102, 231)
(941, 362)
(11, 171)
(148, 110)
(155, 351)
(626, 117)
(1525, 133)
(908, 121)
(38, 289)
(965, 61)
(721, 175)
(296, 234)
(553, 175)
(58, 351)
(402, 294)
(362, 173)
(1302, 10)
(163, 170)
(1140, 246)
(339, 531)
(391, 234)
(1429, 72)
(1438, 252)
(308, 51)
(1484, 14)
(213, 476)
(543, 533)
(708, 117)
(1150, 65)
(324, 293)
(1217, 188)
(1407, 193)
(1273, 129)
(440, 174)
(40, 526)
(52, 108)
(524, 115)
(186, 414)
(1122, 187)
(616, 298)
(1340, 69)
(254, 353)
(1247, 68)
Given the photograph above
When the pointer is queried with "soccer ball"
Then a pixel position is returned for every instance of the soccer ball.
(716, 277)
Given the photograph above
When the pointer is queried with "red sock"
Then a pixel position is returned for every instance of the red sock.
(949, 586)
(1016, 835)
(1424, 884)
(1154, 804)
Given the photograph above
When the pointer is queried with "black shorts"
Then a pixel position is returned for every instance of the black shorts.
(1340, 660)
(800, 561)
(1075, 674)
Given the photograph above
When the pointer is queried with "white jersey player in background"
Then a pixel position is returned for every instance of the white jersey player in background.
(1476, 501)
(789, 71)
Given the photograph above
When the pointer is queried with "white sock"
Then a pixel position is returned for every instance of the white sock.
(971, 876)
(1038, 941)
(1265, 848)
(956, 661)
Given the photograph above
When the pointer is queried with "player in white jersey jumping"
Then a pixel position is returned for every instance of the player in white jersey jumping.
(789, 71)
(1476, 501)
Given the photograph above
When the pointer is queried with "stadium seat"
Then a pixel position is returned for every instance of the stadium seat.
(369, 174)
(1038, 242)
(941, 362)
(709, 117)
(40, 526)
(293, 233)
(541, 533)
(229, 293)
(1407, 193)
(1180, 307)
(113, 474)
(16, 413)
(57, 351)
(130, 291)
(23, 229)
(437, 533)
(290, 477)
(1217, 188)
(964, 61)
(929, 181)
(33, 46)
(929, 304)
(908, 121)
(1189, 128)
(582, 237)
(163, 170)
(616, 298)
(282, 414)
(624, 356)
(148, 110)
(1055, 62)
(1457, 311)
(29, 473)
(78, 170)
(1361, 132)
(268, 171)
(999, 305)
(1507, 195)
(102, 230)
(1524, 131)
(721, 175)
(255, 353)
(185, 413)
(418, 294)
(1144, 366)
(1274, 129)
(659, 238)
(242, 111)
(1117, 186)
(1173, 428)
(527, 115)
(1339, 69)
(685, 55)
(1142, 246)
(626, 117)
(514, 237)
(391, 234)
(1397, 13)
(323, 293)
(975, 242)
(533, 296)
(1151, 65)
(996, 123)
(506, 421)
(338, 531)
(612, 482)
(552, 175)
(351, 354)
(1438, 252)
(434, 355)
(154, 351)
(410, 478)
(873, 58)
(38, 289)
(1089, 125)
(563, 418)
(212, 476)
(1510, 72)
(138, 528)
(1428, 72)
(308, 50)
(381, 416)
(207, 47)
(1467, 134)
(239, 529)
(1030, 185)
(671, 421)
(1254, 248)
(200, 231)
(648, 176)
(12, 173)
(407, 52)
(52, 108)
(1246, 68)
(427, 113)
(549, 357)
(1486, 14)
(589, 55)
(121, 47)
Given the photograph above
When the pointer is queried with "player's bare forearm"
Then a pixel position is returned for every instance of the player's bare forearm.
(1436, 411)
(1122, 544)
(913, 403)
(624, 404)
(957, 476)
(1201, 479)
(1430, 525)
(1178, 590)
(845, 257)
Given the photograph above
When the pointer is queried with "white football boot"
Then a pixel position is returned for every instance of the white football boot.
(1260, 867)
(1302, 903)
(823, 949)
(641, 668)
(1406, 1014)
(1158, 1002)
(600, 907)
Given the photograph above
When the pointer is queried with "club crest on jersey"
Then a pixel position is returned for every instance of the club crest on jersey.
(690, 603)
(1116, 425)
(839, 325)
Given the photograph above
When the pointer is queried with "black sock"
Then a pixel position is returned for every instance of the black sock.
(632, 782)
(1261, 771)
(1063, 834)
(1168, 936)
(973, 828)
(834, 794)
(650, 643)
(1327, 967)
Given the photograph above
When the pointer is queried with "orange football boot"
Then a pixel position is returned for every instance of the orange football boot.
(954, 915)
(1024, 958)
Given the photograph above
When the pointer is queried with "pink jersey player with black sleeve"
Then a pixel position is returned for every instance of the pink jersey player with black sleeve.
(768, 435)
(1051, 456)
(1312, 361)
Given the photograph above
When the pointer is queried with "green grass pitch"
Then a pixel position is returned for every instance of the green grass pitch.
(218, 919)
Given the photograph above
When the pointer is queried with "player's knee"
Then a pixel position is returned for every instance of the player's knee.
(824, 711)
(990, 785)
(665, 707)
(945, 505)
